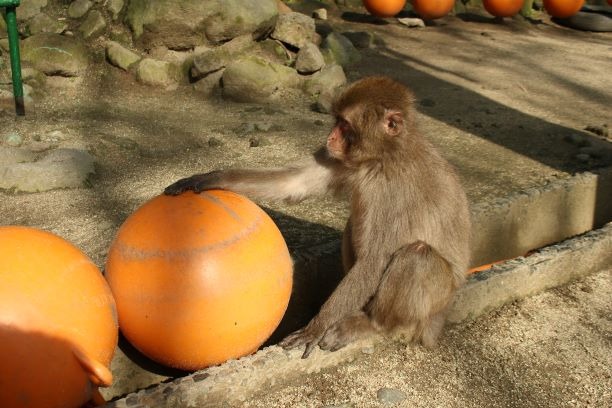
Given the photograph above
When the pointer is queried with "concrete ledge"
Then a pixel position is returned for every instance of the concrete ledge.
(513, 225)
(235, 380)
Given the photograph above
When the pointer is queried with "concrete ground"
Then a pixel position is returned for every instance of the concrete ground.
(507, 103)
(549, 350)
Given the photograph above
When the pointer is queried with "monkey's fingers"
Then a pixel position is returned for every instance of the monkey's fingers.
(309, 347)
(195, 183)
(178, 187)
(294, 340)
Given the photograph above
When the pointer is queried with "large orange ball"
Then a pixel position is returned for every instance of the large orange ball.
(503, 8)
(199, 278)
(563, 8)
(384, 8)
(432, 9)
(58, 328)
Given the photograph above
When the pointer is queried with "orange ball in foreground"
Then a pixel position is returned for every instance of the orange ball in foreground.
(58, 328)
(384, 8)
(199, 278)
(432, 9)
(563, 8)
(503, 8)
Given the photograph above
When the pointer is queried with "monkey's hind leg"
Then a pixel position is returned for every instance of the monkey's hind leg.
(414, 294)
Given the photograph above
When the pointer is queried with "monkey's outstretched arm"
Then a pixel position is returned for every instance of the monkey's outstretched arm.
(293, 184)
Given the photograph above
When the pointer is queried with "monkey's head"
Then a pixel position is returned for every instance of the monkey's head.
(373, 117)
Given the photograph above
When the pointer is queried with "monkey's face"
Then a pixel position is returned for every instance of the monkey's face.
(371, 120)
(340, 138)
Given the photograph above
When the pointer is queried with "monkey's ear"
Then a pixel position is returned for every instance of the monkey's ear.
(393, 122)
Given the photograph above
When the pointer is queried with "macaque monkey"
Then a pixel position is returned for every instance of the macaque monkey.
(405, 248)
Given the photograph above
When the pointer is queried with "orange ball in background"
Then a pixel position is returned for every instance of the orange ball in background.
(563, 8)
(432, 9)
(199, 278)
(503, 8)
(58, 327)
(384, 8)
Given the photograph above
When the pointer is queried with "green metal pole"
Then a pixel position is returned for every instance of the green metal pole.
(13, 37)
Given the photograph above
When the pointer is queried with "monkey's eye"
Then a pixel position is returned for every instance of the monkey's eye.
(392, 124)
(343, 125)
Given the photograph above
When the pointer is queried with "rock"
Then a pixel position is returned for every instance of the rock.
(233, 18)
(29, 8)
(217, 58)
(158, 73)
(360, 39)
(320, 14)
(390, 396)
(295, 29)
(12, 139)
(55, 54)
(115, 7)
(11, 155)
(254, 79)
(577, 140)
(324, 102)
(259, 141)
(210, 84)
(120, 56)
(94, 25)
(42, 23)
(598, 130)
(78, 8)
(275, 51)
(411, 22)
(592, 151)
(214, 142)
(339, 49)
(309, 59)
(182, 24)
(33, 77)
(327, 79)
(583, 157)
(61, 168)
(282, 7)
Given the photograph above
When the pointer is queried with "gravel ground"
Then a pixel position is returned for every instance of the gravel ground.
(550, 350)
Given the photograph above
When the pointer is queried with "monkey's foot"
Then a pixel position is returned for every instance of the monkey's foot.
(347, 330)
(308, 336)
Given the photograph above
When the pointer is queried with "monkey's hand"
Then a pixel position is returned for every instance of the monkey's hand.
(310, 336)
(197, 183)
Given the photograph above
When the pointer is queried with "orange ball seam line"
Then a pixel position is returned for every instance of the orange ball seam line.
(130, 253)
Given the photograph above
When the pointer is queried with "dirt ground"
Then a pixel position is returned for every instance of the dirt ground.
(550, 350)
(499, 100)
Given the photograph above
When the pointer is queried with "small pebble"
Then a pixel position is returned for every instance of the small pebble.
(320, 14)
(591, 151)
(264, 127)
(598, 130)
(411, 22)
(582, 157)
(254, 142)
(390, 396)
(13, 139)
(577, 140)
(368, 350)
(214, 142)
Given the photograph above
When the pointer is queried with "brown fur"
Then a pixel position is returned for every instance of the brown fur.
(406, 245)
